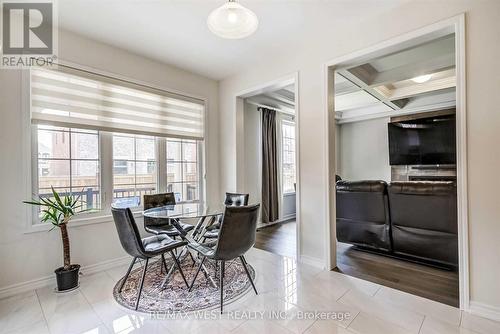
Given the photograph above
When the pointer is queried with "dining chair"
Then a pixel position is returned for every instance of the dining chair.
(161, 225)
(237, 236)
(232, 199)
(145, 248)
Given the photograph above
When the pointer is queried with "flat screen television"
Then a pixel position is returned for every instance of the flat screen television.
(426, 141)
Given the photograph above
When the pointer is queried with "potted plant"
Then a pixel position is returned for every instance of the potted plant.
(59, 211)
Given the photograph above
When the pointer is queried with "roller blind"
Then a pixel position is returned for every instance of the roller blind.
(75, 98)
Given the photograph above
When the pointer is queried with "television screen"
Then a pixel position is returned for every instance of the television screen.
(427, 141)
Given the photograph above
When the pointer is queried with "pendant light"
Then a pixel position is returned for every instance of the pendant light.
(232, 21)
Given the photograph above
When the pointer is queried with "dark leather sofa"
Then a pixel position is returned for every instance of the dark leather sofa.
(408, 219)
(363, 214)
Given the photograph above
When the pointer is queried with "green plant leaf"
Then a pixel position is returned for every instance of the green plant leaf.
(57, 197)
(33, 203)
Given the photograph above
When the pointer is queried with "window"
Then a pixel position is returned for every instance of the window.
(134, 169)
(112, 141)
(288, 142)
(183, 173)
(68, 160)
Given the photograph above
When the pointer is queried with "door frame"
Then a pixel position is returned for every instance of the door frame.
(240, 158)
(454, 24)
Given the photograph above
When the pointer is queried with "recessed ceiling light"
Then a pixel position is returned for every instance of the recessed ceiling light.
(422, 78)
(232, 21)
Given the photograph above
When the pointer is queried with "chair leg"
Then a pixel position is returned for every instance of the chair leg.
(141, 285)
(164, 263)
(192, 258)
(127, 274)
(179, 266)
(175, 250)
(196, 275)
(244, 262)
(222, 271)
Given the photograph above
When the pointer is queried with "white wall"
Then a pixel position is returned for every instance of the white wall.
(333, 40)
(363, 151)
(35, 255)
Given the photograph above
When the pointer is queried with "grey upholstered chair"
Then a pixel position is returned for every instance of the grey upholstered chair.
(237, 236)
(145, 248)
(232, 199)
(159, 225)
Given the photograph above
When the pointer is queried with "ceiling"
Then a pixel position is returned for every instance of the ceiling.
(175, 31)
(384, 87)
(282, 99)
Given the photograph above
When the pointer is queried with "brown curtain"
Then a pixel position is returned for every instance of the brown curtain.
(269, 167)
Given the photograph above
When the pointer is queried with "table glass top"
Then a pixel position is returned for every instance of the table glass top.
(185, 210)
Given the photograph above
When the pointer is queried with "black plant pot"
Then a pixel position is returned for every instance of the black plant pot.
(67, 279)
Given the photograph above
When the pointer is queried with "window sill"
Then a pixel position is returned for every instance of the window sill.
(77, 222)
(292, 193)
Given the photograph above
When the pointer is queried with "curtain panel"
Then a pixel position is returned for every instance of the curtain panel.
(270, 190)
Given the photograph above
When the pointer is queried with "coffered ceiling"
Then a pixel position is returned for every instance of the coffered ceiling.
(389, 85)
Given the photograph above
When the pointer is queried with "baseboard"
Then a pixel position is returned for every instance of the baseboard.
(292, 216)
(260, 224)
(104, 265)
(312, 261)
(484, 310)
(41, 282)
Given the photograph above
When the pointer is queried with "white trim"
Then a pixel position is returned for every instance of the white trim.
(284, 220)
(484, 310)
(286, 80)
(408, 111)
(455, 25)
(41, 282)
(312, 261)
(462, 191)
(78, 221)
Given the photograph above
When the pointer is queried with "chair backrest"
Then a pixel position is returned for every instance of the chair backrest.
(237, 231)
(363, 213)
(430, 205)
(128, 232)
(362, 201)
(157, 200)
(234, 199)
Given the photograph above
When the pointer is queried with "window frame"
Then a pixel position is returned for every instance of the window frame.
(106, 175)
(292, 124)
(135, 160)
(29, 166)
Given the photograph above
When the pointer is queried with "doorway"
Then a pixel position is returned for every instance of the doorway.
(412, 91)
(267, 160)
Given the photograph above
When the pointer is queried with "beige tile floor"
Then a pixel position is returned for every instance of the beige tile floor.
(296, 294)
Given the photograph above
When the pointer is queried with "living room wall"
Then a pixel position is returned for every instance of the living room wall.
(363, 151)
(334, 39)
(28, 259)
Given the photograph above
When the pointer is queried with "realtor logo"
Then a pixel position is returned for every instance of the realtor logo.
(28, 34)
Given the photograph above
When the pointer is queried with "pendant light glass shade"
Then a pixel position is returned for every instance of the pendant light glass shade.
(232, 21)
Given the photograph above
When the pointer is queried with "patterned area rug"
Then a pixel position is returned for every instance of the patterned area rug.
(176, 297)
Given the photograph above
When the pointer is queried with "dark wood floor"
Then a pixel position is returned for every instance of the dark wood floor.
(432, 283)
(278, 239)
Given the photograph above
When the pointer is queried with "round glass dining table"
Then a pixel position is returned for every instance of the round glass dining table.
(184, 211)
(177, 212)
